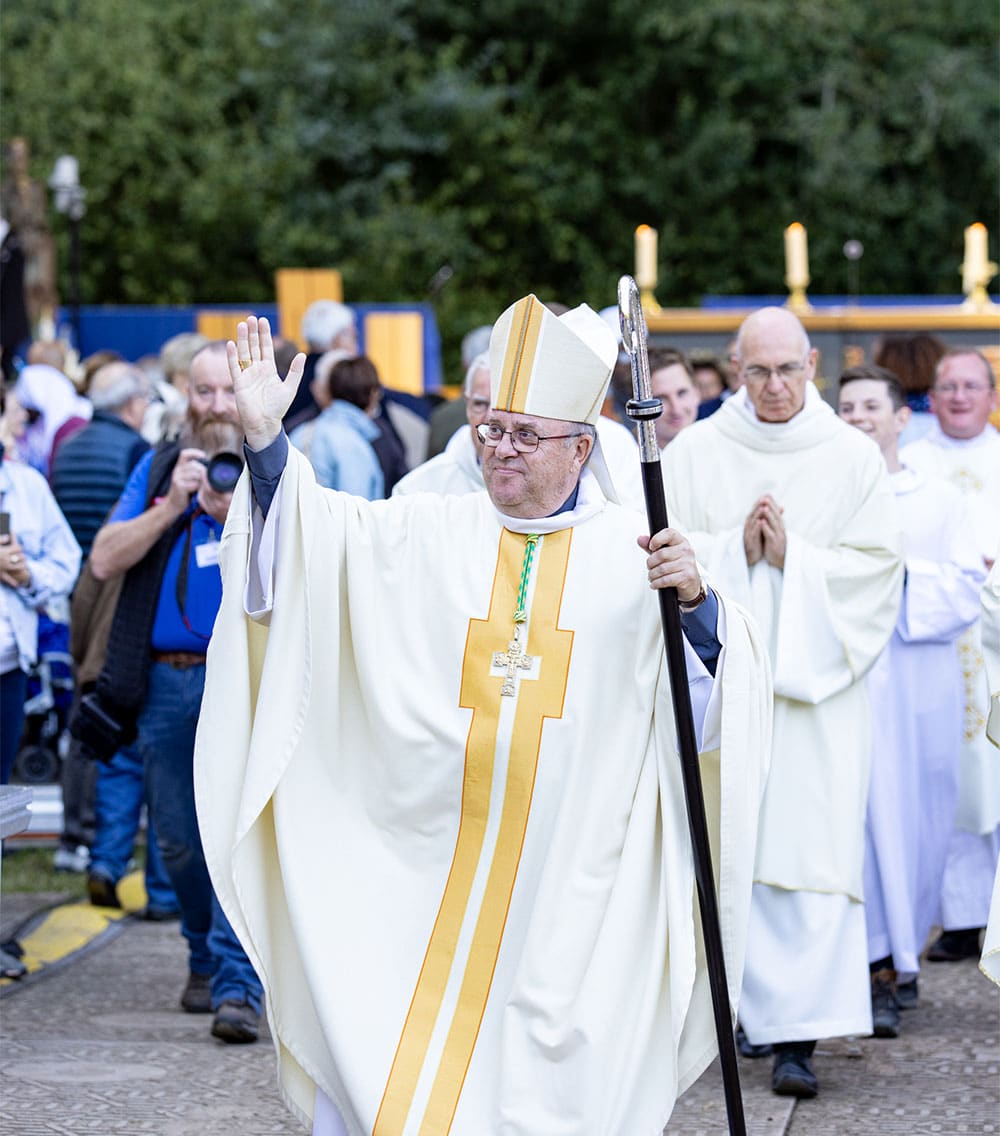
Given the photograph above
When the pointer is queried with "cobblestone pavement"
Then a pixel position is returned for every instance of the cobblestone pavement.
(99, 1045)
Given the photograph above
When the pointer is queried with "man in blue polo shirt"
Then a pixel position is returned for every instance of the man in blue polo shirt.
(165, 532)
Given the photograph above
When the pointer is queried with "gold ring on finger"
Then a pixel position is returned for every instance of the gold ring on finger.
(244, 363)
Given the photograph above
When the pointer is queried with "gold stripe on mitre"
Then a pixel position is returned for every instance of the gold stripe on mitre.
(519, 357)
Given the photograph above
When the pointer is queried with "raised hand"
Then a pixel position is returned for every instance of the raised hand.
(262, 397)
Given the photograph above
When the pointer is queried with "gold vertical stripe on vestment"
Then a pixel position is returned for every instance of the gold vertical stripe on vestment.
(480, 692)
(538, 698)
(519, 358)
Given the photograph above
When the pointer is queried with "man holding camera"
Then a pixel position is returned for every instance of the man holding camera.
(165, 533)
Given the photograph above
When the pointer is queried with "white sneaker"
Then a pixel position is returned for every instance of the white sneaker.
(72, 859)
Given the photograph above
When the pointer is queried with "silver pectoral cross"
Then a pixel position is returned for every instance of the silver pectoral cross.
(514, 659)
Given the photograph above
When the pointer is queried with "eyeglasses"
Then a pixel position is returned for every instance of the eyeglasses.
(961, 388)
(523, 440)
(784, 371)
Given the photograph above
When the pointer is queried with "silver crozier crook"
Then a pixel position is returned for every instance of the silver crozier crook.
(643, 409)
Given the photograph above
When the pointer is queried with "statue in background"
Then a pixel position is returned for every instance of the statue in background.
(24, 206)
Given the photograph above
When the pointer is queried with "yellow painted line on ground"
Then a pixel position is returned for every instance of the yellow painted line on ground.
(70, 927)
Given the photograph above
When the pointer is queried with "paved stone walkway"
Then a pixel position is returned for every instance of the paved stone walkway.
(97, 1044)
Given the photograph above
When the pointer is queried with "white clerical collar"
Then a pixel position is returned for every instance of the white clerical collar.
(937, 437)
(809, 406)
(590, 501)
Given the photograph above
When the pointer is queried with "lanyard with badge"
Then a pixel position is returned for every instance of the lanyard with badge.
(206, 555)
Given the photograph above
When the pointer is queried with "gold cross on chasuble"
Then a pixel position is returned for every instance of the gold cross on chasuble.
(513, 659)
(441, 1068)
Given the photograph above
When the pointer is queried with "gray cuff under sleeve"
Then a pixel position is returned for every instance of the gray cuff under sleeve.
(700, 627)
(266, 468)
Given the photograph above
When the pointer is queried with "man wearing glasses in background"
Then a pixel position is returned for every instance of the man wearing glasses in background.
(794, 515)
(963, 448)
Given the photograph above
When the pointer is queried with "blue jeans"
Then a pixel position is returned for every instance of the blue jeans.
(166, 743)
(13, 691)
(118, 801)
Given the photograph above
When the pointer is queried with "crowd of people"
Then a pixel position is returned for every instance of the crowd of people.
(454, 663)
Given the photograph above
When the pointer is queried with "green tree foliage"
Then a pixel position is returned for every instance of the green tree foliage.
(519, 143)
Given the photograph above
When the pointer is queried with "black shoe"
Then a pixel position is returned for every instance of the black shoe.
(236, 1022)
(954, 946)
(747, 1048)
(10, 962)
(793, 1075)
(907, 996)
(197, 996)
(885, 1010)
(101, 889)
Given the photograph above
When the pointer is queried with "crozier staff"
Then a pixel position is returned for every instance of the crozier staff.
(470, 694)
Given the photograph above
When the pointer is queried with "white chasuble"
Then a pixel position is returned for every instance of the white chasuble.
(472, 911)
(917, 701)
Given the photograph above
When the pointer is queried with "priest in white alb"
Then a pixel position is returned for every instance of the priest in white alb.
(917, 700)
(437, 771)
(791, 511)
(963, 449)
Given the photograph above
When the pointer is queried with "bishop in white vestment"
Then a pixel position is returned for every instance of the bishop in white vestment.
(438, 780)
(792, 512)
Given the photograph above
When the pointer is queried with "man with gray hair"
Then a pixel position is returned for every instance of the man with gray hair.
(794, 518)
(443, 680)
(90, 469)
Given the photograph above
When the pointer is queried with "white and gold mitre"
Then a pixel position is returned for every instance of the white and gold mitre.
(551, 366)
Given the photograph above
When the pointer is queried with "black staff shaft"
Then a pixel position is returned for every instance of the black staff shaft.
(694, 797)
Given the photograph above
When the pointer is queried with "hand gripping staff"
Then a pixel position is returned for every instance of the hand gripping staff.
(644, 410)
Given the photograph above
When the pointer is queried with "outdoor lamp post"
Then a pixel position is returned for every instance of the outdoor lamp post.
(69, 197)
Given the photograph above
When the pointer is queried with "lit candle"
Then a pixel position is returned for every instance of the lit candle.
(974, 267)
(796, 256)
(645, 257)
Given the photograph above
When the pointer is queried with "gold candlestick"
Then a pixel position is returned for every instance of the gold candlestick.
(796, 267)
(977, 269)
(646, 267)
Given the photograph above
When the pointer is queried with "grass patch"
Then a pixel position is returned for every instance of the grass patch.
(30, 869)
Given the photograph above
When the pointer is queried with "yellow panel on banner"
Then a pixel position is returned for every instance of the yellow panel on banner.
(296, 289)
(219, 325)
(394, 341)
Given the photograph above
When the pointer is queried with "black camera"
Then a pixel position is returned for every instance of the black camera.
(100, 731)
(223, 471)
